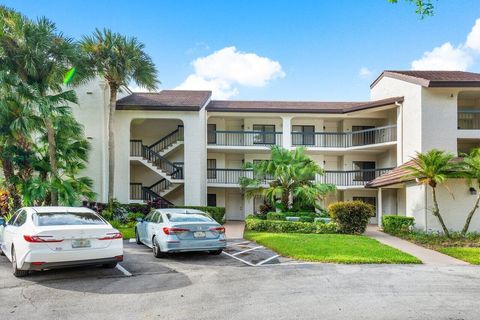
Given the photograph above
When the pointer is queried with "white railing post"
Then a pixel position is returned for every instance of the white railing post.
(286, 132)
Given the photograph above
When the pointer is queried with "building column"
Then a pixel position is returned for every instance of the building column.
(286, 132)
(379, 207)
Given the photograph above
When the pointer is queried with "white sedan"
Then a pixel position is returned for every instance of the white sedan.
(38, 238)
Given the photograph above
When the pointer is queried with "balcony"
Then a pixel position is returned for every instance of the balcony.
(469, 120)
(244, 138)
(351, 178)
(345, 139)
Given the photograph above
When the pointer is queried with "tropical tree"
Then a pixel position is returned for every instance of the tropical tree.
(422, 7)
(40, 56)
(470, 169)
(291, 179)
(120, 60)
(431, 169)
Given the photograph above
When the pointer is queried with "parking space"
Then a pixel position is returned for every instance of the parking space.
(252, 254)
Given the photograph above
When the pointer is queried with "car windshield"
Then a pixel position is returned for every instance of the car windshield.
(188, 217)
(67, 218)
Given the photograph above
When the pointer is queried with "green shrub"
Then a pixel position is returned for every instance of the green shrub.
(107, 214)
(116, 224)
(397, 224)
(217, 213)
(132, 216)
(351, 216)
(289, 227)
(276, 216)
(306, 219)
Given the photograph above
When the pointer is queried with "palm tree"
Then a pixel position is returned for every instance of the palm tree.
(292, 175)
(431, 169)
(120, 60)
(470, 169)
(40, 56)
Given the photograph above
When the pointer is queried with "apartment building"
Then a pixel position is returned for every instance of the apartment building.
(187, 149)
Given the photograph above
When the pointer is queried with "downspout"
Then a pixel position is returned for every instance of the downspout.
(400, 106)
(103, 85)
(426, 206)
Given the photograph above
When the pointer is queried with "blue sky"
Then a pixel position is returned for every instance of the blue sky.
(313, 50)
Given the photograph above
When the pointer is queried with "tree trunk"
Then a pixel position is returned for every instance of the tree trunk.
(436, 212)
(470, 215)
(52, 157)
(286, 199)
(111, 142)
(8, 173)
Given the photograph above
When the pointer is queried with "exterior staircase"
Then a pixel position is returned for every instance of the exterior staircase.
(153, 157)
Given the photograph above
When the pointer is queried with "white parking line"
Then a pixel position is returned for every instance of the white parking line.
(123, 270)
(248, 250)
(244, 261)
(266, 260)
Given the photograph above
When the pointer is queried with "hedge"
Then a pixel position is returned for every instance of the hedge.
(217, 213)
(282, 216)
(351, 216)
(397, 224)
(289, 227)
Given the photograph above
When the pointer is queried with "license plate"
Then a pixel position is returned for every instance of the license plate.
(81, 243)
(199, 234)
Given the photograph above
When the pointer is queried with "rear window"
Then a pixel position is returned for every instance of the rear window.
(191, 217)
(67, 219)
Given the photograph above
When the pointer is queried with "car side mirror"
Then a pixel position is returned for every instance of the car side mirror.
(140, 219)
(3, 222)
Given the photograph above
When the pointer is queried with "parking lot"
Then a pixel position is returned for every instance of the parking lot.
(202, 286)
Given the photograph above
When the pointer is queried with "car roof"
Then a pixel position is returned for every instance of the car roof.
(179, 210)
(57, 209)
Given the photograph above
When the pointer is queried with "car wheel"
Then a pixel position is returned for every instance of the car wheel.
(216, 252)
(16, 272)
(110, 265)
(137, 237)
(157, 252)
(1, 252)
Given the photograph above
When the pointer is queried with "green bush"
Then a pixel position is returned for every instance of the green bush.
(132, 216)
(289, 227)
(282, 216)
(351, 216)
(217, 213)
(397, 224)
(276, 216)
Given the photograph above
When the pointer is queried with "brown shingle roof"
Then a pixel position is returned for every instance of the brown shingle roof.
(430, 79)
(297, 106)
(397, 175)
(181, 100)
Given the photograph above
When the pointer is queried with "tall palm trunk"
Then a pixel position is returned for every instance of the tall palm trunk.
(436, 213)
(8, 174)
(52, 157)
(470, 215)
(111, 142)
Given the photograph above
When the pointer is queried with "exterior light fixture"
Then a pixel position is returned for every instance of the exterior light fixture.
(473, 191)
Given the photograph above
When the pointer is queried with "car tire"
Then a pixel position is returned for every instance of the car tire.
(110, 265)
(2, 253)
(157, 251)
(16, 272)
(137, 237)
(216, 252)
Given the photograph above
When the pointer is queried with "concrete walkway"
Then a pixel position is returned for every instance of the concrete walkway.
(234, 229)
(427, 256)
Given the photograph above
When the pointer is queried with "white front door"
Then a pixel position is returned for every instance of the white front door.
(234, 206)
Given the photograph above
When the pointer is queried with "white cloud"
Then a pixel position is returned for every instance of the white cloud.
(473, 39)
(364, 73)
(225, 69)
(449, 57)
(445, 57)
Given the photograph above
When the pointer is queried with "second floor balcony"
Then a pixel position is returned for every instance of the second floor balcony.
(366, 137)
(468, 120)
(342, 179)
(244, 138)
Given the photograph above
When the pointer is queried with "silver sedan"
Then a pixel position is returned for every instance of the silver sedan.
(180, 230)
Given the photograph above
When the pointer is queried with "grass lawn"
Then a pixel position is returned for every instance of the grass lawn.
(128, 232)
(336, 248)
(470, 255)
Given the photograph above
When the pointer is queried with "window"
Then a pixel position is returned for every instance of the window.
(364, 137)
(190, 217)
(21, 218)
(211, 166)
(265, 134)
(303, 135)
(160, 218)
(211, 200)
(211, 134)
(365, 170)
(67, 219)
(369, 200)
(12, 218)
(149, 216)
